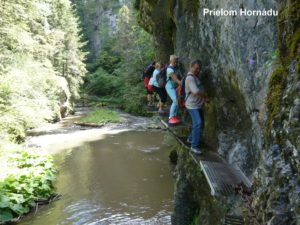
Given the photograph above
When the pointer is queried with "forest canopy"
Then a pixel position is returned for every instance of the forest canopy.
(41, 62)
(119, 50)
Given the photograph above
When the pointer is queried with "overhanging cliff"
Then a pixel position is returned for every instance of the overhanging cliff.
(251, 73)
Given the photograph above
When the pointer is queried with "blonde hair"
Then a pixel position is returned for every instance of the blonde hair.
(173, 58)
(158, 65)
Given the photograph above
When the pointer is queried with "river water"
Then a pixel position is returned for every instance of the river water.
(122, 178)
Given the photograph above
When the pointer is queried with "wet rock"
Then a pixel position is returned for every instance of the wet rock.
(173, 156)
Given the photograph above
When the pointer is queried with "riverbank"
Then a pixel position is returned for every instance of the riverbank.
(68, 134)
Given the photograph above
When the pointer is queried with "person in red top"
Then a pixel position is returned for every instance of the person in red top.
(147, 76)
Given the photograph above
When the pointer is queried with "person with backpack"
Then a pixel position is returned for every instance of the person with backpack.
(171, 84)
(161, 91)
(147, 74)
(194, 101)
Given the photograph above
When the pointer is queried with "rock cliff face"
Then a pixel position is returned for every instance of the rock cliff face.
(251, 73)
(99, 20)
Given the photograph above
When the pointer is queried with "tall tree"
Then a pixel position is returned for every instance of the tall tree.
(41, 62)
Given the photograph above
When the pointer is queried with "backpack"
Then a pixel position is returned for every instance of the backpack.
(148, 71)
(182, 94)
(161, 78)
(150, 84)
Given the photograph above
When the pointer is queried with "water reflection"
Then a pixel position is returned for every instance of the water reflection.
(123, 179)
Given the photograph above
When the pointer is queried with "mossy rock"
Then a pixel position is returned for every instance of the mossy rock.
(173, 156)
(289, 30)
(289, 45)
(190, 6)
(277, 85)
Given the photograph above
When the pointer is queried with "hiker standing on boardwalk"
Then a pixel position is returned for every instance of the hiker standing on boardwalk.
(147, 74)
(159, 90)
(171, 85)
(195, 99)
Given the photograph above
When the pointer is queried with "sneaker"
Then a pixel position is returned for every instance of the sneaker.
(196, 151)
(174, 121)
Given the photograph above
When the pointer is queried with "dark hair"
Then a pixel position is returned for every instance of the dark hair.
(196, 62)
(154, 62)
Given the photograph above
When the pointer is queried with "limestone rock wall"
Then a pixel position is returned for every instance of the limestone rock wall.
(251, 73)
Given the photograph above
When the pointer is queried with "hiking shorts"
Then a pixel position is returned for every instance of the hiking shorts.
(162, 93)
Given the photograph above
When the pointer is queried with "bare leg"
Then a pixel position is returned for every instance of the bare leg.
(149, 99)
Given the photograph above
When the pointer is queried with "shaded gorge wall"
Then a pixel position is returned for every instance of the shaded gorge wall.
(251, 74)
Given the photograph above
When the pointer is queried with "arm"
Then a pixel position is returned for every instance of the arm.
(175, 78)
(195, 90)
(201, 94)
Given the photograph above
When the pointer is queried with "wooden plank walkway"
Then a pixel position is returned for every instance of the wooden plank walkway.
(221, 176)
(154, 110)
(233, 220)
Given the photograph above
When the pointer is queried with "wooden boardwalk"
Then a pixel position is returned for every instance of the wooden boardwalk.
(221, 176)
(233, 220)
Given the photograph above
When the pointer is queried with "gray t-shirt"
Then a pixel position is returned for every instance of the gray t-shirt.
(192, 87)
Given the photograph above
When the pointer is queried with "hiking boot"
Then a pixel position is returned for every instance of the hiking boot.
(197, 151)
(174, 121)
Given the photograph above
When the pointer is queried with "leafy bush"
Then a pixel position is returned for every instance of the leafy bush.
(108, 60)
(31, 180)
(102, 83)
(134, 99)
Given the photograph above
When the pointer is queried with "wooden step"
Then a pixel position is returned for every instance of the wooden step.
(233, 220)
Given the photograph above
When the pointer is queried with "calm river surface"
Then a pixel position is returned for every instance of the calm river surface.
(124, 178)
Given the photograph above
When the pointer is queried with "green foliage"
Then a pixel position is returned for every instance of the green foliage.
(41, 62)
(100, 116)
(31, 180)
(41, 67)
(102, 83)
(134, 99)
(117, 71)
(196, 219)
(137, 4)
(107, 61)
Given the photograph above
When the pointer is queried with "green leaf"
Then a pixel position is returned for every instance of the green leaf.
(4, 202)
(19, 209)
(6, 215)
